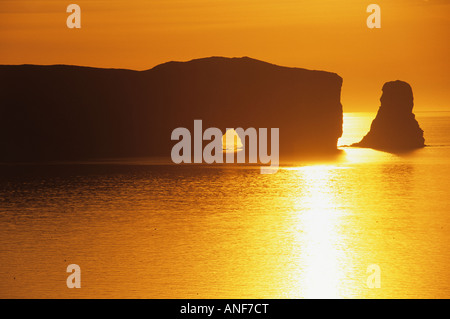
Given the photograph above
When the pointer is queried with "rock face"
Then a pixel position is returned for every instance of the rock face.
(395, 127)
(69, 113)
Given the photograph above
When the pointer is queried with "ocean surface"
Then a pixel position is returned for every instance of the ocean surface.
(143, 230)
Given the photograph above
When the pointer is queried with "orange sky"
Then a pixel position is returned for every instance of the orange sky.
(412, 45)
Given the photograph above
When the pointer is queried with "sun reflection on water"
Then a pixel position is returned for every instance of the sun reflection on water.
(318, 244)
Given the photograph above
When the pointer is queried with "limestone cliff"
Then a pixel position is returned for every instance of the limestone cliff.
(67, 112)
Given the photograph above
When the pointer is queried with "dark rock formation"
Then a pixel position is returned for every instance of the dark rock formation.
(69, 113)
(395, 127)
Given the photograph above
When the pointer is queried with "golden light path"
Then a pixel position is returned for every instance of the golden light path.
(318, 239)
(323, 247)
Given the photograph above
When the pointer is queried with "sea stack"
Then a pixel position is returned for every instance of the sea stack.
(395, 127)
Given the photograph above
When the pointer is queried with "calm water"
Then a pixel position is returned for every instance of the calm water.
(166, 231)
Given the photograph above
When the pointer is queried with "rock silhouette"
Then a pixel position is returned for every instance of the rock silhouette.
(69, 113)
(395, 127)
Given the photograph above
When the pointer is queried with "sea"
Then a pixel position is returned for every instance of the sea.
(366, 224)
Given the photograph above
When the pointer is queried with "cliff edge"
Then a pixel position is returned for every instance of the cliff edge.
(65, 112)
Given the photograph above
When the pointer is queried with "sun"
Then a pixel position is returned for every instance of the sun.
(231, 142)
